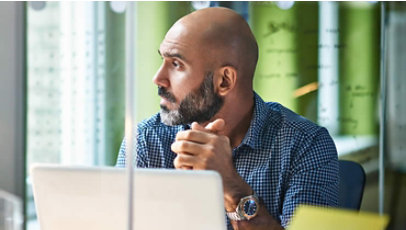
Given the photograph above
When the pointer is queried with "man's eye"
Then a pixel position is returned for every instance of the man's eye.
(176, 64)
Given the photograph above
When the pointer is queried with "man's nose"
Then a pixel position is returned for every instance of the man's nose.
(161, 77)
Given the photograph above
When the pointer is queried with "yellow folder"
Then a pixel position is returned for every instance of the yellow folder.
(322, 218)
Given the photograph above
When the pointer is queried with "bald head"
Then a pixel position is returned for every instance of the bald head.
(223, 37)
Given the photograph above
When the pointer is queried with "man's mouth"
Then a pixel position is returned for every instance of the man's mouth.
(165, 95)
(164, 108)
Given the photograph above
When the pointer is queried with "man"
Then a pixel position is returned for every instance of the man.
(270, 159)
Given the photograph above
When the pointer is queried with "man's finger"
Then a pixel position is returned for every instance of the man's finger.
(216, 126)
(184, 161)
(197, 126)
(194, 136)
(188, 147)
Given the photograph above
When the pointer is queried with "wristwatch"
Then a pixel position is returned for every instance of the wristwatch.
(246, 209)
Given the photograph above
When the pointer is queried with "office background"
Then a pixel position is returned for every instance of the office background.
(62, 81)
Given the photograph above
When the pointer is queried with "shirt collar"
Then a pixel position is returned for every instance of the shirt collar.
(252, 138)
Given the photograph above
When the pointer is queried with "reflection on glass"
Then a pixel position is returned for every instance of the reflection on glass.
(396, 86)
(75, 75)
(328, 67)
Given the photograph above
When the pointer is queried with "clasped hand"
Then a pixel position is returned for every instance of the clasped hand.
(203, 148)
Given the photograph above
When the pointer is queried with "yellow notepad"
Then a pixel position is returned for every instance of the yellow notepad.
(321, 218)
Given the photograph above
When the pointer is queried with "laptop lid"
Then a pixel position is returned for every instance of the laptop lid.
(96, 198)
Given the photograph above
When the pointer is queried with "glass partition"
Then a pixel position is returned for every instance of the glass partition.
(319, 59)
(75, 86)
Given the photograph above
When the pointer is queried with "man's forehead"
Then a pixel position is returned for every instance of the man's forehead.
(172, 47)
(185, 34)
(179, 45)
(177, 30)
(174, 50)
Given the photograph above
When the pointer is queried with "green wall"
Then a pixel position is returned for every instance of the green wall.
(276, 75)
(288, 41)
(359, 67)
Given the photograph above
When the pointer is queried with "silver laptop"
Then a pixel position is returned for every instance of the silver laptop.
(91, 198)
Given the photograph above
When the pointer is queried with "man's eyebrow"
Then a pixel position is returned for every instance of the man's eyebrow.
(171, 55)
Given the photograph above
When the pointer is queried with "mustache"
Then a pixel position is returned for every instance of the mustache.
(163, 92)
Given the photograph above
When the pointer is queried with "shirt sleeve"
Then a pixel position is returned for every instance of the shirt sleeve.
(314, 176)
(121, 155)
(140, 146)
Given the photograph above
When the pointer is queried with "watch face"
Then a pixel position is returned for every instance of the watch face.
(250, 207)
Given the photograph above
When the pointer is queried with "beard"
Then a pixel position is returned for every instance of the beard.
(199, 105)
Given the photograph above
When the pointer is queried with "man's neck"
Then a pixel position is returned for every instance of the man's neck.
(238, 116)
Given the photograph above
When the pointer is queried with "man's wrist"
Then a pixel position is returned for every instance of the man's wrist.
(247, 208)
(232, 200)
(234, 190)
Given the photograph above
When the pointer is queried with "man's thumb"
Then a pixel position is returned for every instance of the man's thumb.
(216, 126)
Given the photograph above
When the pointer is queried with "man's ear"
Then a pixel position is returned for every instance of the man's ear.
(226, 80)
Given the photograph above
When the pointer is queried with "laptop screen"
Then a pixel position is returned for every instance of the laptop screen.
(96, 198)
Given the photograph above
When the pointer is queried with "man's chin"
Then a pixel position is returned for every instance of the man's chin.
(170, 118)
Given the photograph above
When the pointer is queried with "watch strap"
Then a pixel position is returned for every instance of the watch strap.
(237, 216)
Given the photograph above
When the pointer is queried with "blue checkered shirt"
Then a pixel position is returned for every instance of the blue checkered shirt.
(285, 158)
